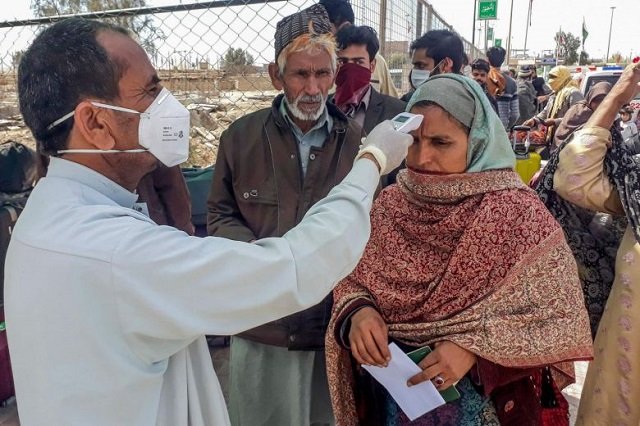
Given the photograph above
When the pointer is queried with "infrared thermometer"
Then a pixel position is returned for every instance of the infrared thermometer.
(406, 122)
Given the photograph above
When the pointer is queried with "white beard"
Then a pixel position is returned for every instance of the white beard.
(306, 116)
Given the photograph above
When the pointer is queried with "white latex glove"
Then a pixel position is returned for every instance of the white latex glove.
(387, 146)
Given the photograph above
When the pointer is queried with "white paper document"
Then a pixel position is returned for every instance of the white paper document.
(415, 400)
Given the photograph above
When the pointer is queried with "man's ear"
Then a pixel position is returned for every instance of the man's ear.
(372, 65)
(448, 65)
(276, 78)
(93, 126)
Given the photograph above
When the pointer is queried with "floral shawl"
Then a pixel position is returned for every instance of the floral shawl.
(594, 237)
(473, 258)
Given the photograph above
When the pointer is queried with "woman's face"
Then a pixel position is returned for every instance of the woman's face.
(439, 145)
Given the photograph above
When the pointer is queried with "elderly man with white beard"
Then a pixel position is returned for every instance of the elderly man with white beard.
(272, 166)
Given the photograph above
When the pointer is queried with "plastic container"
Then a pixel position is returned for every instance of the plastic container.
(527, 163)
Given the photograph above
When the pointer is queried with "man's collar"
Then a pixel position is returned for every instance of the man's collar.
(59, 167)
(366, 99)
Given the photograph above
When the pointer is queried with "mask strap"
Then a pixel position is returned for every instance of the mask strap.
(115, 107)
(60, 120)
(100, 151)
(436, 68)
(98, 104)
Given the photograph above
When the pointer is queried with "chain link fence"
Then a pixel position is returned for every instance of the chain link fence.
(214, 55)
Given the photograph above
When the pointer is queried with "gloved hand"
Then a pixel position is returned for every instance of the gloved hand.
(387, 146)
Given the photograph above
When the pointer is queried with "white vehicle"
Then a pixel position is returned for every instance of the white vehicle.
(610, 74)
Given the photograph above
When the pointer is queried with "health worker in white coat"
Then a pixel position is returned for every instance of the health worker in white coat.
(106, 311)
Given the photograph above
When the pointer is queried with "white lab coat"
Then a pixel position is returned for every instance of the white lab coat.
(106, 311)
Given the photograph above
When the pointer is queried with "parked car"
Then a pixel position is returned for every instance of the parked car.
(610, 74)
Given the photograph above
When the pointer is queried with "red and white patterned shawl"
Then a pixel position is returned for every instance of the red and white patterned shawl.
(475, 259)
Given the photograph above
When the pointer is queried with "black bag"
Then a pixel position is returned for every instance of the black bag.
(18, 170)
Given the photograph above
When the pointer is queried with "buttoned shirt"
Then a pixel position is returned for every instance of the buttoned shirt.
(315, 137)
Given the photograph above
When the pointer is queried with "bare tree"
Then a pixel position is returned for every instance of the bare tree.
(142, 26)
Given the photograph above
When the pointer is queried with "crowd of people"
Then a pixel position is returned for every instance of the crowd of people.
(330, 235)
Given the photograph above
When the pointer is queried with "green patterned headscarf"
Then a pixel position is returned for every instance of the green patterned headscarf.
(489, 146)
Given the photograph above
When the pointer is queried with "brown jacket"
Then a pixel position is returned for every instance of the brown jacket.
(258, 191)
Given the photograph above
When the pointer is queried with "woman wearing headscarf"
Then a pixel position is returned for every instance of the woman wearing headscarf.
(580, 112)
(463, 258)
(598, 171)
(565, 94)
(594, 236)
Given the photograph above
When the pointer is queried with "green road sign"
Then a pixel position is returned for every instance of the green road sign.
(489, 33)
(488, 9)
(498, 42)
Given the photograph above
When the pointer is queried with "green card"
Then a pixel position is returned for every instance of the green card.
(449, 394)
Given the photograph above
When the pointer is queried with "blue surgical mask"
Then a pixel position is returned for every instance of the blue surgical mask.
(418, 77)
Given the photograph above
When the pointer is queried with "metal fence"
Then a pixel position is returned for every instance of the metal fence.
(189, 45)
(196, 37)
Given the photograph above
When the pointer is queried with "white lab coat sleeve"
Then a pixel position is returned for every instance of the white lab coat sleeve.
(171, 288)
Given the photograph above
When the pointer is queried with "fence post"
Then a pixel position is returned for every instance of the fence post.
(383, 27)
(429, 18)
(419, 18)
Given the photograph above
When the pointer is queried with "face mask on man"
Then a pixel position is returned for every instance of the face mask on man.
(163, 130)
(351, 82)
(418, 77)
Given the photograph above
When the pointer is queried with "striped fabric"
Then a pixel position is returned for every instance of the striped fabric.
(313, 20)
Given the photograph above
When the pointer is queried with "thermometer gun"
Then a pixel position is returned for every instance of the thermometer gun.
(406, 122)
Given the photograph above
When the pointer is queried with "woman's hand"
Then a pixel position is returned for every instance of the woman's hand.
(445, 366)
(368, 338)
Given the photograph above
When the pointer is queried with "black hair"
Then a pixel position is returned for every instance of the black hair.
(496, 55)
(480, 64)
(64, 65)
(627, 109)
(363, 35)
(339, 11)
(441, 44)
